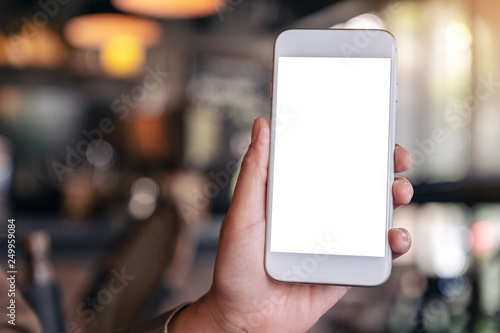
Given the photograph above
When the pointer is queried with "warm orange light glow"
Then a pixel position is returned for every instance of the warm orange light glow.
(171, 8)
(93, 31)
(122, 56)
(3, 46)
(43, 49)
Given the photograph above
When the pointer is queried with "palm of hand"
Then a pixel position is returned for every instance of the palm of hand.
(239, 275)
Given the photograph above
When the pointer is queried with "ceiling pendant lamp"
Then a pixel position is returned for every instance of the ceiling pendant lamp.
(176, 9)
(94, 30)
(120, 39)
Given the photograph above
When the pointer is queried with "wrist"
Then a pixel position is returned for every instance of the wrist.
(200, 316)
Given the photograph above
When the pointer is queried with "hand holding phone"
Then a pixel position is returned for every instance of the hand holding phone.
(334, 92)
(242, 296)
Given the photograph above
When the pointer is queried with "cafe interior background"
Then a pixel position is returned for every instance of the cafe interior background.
(122, 124)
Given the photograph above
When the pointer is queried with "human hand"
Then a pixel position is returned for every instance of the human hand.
(242, 297)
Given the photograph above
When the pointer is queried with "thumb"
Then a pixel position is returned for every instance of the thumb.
(249, 199)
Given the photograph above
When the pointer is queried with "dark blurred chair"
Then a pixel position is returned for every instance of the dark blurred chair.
(129, 275)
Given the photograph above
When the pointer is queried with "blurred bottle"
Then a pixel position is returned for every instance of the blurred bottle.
(42, 291)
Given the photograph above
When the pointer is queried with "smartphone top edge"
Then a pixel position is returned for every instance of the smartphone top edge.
(293, 30)
(287, 32)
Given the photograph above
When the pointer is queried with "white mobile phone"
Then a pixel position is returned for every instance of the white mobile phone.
(331, 167)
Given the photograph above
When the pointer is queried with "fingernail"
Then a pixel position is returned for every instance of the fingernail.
(399, 181)
(255, 131)
(409, 188)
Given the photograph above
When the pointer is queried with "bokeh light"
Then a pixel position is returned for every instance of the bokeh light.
(171, 8)
(122, 56)
(142, 203)
(484, 237)
(458, 36)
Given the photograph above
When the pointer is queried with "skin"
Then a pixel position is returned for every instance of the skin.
(242, 297)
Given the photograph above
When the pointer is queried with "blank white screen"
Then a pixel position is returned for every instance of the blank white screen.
(331, 156)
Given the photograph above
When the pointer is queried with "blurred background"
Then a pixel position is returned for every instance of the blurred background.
(123, 122)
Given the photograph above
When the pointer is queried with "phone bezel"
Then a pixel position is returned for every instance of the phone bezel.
(348, 270)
